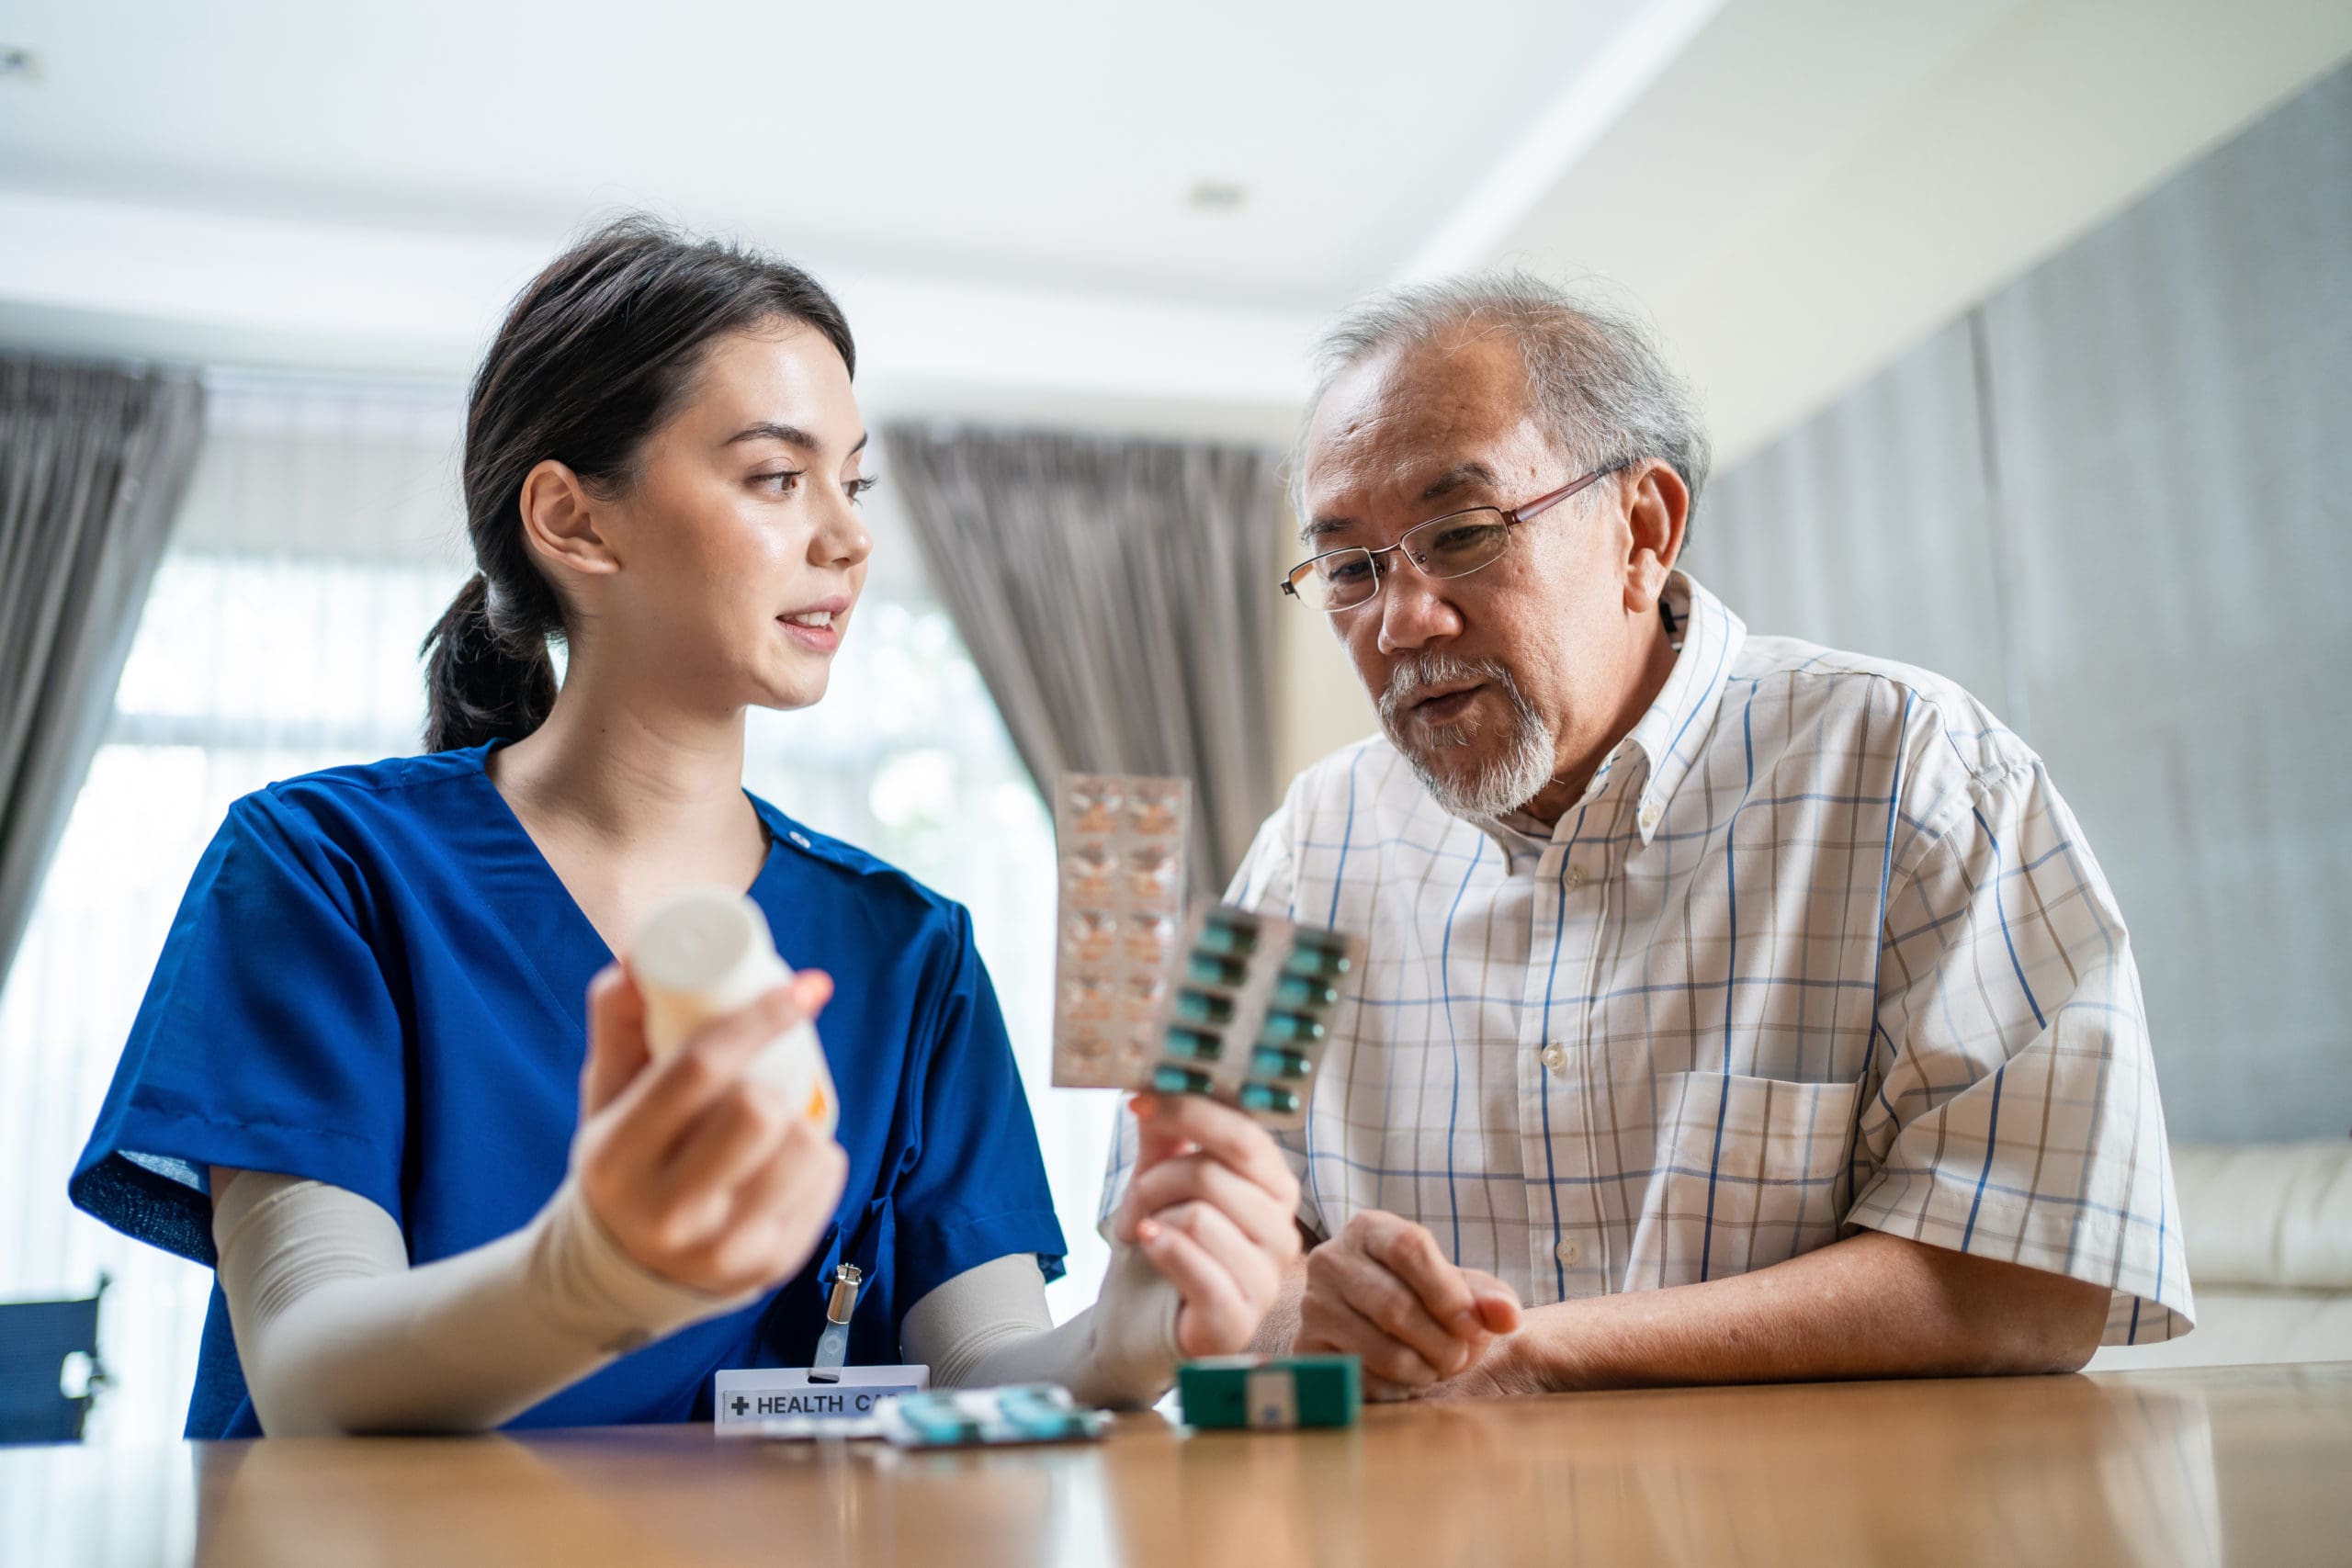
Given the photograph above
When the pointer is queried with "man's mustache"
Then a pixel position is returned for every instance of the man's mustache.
(1415, 674)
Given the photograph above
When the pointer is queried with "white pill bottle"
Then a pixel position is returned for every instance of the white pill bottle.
(708, 952)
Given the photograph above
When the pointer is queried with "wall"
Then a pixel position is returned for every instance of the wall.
(2114, 500)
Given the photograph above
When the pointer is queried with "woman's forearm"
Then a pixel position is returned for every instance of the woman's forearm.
(338, 1334)
(988, 1325)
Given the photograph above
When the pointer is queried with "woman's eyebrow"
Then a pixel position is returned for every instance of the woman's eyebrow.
(791, 435)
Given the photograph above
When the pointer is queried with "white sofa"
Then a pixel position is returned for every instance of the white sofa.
(2268, 1228)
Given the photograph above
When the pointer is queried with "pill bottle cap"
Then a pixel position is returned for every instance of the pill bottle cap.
(698, 938)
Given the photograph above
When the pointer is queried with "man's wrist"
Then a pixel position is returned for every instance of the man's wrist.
(1543, 1357)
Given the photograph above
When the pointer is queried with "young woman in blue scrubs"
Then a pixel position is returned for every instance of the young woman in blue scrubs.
(389, 1077)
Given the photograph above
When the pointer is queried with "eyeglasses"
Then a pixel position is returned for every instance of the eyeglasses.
(1453, 546)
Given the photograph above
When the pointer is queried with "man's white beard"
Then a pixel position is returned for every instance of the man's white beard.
(1514, 774)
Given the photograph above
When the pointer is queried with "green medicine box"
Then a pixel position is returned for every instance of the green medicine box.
(1270, 1393)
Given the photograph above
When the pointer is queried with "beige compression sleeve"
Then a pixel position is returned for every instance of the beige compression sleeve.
(337, 1333)
(988, 1325)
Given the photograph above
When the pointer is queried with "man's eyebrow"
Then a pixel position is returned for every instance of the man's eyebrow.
(1462, 476)
(1459, 476)
(792, 436)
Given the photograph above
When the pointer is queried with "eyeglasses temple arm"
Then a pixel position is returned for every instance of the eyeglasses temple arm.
(1543, 503)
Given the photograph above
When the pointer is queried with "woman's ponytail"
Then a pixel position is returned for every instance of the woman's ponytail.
(482, 681)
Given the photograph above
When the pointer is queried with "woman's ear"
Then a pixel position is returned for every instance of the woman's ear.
(1657, 508)
(560, 522)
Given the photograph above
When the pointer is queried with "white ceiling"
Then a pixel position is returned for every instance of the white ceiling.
(1050, 141)
(1796, 188)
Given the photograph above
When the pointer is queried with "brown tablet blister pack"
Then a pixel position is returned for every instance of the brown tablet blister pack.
(1121, 840)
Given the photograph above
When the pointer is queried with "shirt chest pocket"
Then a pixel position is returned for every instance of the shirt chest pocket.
(1747, 1172)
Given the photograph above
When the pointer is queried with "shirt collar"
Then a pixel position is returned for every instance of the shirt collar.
(1668, 736)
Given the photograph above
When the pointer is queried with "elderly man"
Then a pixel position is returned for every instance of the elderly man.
(1746, 1009)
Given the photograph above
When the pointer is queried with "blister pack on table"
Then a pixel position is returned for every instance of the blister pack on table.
(1020, 1413)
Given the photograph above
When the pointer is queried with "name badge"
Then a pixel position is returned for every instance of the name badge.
(754, 1395)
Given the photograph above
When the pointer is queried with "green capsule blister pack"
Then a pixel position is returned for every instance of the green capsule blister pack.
(1247, 1011)
(989, 1417)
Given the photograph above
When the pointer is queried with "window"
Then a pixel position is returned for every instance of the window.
(319, 541)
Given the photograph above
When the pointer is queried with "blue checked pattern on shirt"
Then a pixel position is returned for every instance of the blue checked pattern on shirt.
(1821, 949)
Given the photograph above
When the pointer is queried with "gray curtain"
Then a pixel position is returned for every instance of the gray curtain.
(93, 463)
(2116, 501)
(1118, 598)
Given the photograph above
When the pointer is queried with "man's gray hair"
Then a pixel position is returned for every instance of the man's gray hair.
(1595, 374)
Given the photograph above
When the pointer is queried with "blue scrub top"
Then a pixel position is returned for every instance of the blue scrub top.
(377, 981)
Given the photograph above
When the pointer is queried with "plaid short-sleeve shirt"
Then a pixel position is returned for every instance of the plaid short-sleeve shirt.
(1820, 949)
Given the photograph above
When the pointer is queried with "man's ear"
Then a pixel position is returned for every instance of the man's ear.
(1657, 505)
(560, 522)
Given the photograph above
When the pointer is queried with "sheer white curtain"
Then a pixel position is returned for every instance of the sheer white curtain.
(320, 540)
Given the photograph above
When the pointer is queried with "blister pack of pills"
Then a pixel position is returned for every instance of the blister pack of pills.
(1121, 840)
(1022, 1413)
(1247, 1009)
(1231, 1005)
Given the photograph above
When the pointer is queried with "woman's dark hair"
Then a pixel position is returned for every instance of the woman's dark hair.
(596, 354)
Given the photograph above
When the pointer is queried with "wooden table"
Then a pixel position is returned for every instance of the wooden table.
(2243, 1465)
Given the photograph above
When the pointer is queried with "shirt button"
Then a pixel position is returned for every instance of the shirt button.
(1576, 876)
(1555, 1056)
(1649, 815)
(1568, 1252)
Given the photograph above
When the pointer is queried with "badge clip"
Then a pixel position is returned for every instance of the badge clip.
(832, 1346)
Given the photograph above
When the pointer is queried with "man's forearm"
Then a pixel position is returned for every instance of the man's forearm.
(1873, 1305)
